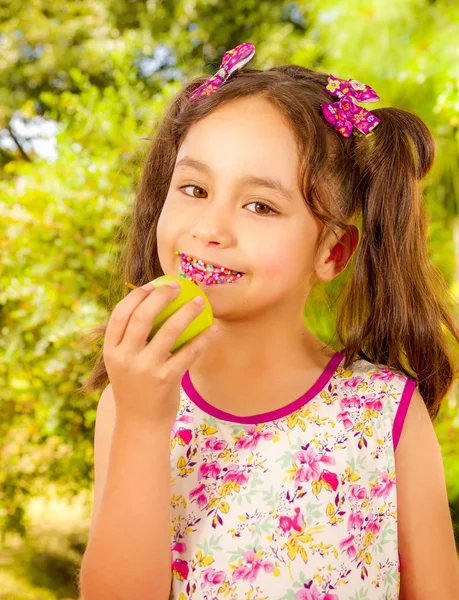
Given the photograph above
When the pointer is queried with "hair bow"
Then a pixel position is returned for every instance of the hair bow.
(346, 114)
(232, 61)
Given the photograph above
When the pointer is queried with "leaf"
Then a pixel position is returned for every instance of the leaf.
(316, 487)
(330, 510)
(213, 503)
(304, 554)
(206, 561)
(293, 547)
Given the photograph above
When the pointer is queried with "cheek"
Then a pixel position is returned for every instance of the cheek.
(275, 261)
(284, 257)
(161, 233)
(165, 235)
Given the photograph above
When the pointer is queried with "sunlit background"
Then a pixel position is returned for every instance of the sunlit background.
(81, 83)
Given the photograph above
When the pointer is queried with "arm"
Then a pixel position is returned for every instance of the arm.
(128, 552)
(429, 566)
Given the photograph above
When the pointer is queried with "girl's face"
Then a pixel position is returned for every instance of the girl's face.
(225, 205)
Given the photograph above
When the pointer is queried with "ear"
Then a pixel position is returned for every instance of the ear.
(336, 253)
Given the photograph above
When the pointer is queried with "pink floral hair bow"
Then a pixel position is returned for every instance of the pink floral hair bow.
(232, 61)
(346, 114)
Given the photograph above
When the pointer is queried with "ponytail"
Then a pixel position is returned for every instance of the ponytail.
(394, 310)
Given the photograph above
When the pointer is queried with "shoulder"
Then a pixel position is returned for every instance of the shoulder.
(417, 436)
(429, 567)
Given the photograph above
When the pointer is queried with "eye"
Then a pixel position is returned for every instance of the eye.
(196, 187)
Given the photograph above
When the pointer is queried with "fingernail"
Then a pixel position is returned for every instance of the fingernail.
(214, 329)
(173, 284)
(148, 286)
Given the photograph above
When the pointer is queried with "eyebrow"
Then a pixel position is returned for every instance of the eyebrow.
(266, 182)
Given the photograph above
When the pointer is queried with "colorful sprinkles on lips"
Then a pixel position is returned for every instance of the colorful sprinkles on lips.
(197, 270)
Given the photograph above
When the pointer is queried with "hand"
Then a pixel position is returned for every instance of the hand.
(145, 376)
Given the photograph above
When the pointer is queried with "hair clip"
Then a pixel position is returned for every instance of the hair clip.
(232, 61)
(345, 114)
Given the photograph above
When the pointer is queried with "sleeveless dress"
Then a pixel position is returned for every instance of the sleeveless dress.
(298, 503)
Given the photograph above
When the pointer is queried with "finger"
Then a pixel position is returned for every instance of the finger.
(142, 319)
(179, 362)
(159, 348)
(119, 318)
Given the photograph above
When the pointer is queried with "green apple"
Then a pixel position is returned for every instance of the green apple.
(188, 291)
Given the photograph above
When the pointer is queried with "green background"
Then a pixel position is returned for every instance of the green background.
(81, 85)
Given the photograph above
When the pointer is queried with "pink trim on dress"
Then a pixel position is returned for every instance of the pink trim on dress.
(402, 409)
(272, 415)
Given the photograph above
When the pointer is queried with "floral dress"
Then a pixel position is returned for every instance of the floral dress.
(298, 503)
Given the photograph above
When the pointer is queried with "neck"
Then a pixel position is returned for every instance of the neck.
(244, 350)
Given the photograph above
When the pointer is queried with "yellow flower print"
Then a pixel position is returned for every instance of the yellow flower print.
(207, 430)
(333, 85)
(294, 419)
(294, 547)
(350, 475)
(203, 560)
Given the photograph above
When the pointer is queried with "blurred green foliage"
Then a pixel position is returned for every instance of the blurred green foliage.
(101, 72)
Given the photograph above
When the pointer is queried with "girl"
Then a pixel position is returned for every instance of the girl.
(259, 463)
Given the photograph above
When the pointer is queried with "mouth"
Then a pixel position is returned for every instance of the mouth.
(199, 271)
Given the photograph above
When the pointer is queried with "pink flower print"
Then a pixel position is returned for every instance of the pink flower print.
(179, 547)
(330, 478)
(178, 431)
(212, 443)
(355, 521)
(185, 435)
(314, 594)
(286, 523)
(198, 494)
(250, 571)
(383, 489)
(212, 577)
(372, 525)
(373, 401)
(348, 545)
(252, 437)
(383, 374)
(180, 569)
(236, 475)
(352, 382)
(179, 421)
(207, 470)
(350, 402)
(347, 421)
(310, 464)
(357, 492)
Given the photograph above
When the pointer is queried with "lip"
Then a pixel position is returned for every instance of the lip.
(203, 264)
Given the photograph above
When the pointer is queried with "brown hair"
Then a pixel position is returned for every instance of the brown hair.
(393, 310)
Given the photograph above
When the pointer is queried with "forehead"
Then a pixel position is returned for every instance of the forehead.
(248, 134)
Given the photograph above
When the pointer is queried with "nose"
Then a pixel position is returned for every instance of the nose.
(214, 225)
